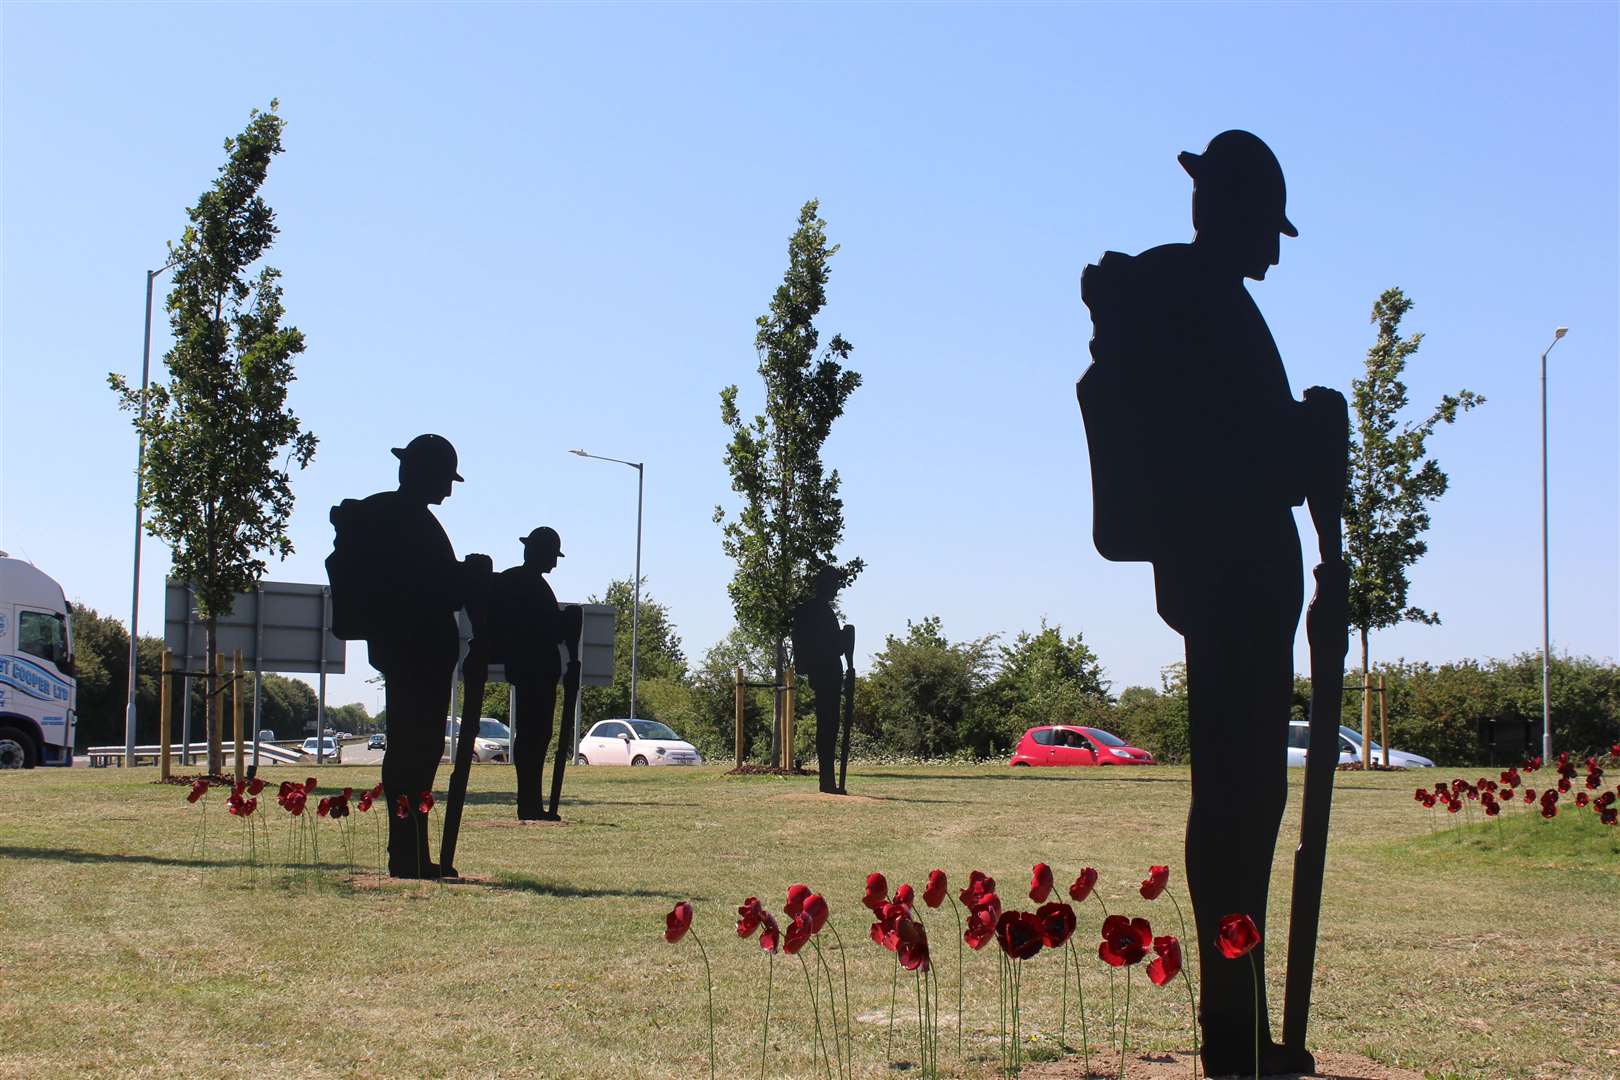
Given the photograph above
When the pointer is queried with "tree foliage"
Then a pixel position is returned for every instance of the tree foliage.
(1046, 678)
(219, 436)
(1392, 481)
(792, 518)
(659, 655)
(923, 694)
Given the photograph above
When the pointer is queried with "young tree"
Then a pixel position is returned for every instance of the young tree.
(1046, 678)
(219, 437)
(792, 518)
(924, 693)
(1391, 484)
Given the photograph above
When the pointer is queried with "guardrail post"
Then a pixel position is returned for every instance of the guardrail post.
(737, 699)
(236, 708)
(164, 679)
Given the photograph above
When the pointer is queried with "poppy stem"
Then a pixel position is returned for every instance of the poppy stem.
(922, 1047)
(815, 1009)
(1255, 967)
(708, 982)
(832, 1003)
(894, 983)
(1188, 977)
(765, 1030)
(958, 913)
(1080, 995)
(1125, 1035)
(849, 1031)
(1063, 1022)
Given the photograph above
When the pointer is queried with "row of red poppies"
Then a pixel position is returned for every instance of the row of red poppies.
(1493, 795)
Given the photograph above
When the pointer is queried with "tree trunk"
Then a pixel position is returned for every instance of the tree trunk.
(1366, 704)
(781, 756)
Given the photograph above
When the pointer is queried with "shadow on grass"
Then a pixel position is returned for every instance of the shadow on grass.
(510, 882)
(1030, 776)
(509, 798)
(79, 855)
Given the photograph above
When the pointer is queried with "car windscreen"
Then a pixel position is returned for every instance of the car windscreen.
(1103, 737)
(493, 729)
(652, 729)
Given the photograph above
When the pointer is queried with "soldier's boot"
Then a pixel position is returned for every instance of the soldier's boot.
(408, 847)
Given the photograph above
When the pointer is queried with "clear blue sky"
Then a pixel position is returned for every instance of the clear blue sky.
(532, 228)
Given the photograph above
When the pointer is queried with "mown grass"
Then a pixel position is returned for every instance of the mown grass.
(1483, 950)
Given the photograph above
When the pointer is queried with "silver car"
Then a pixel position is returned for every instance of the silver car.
(1299, 740)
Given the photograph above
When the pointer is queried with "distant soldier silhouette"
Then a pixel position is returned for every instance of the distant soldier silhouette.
(820, 647)
(529, 627)
(396, 583)
(1199, 452)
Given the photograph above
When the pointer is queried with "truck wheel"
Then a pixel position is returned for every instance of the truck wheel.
(16, 749)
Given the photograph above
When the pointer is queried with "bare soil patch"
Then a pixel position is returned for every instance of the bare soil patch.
(1174, 1065)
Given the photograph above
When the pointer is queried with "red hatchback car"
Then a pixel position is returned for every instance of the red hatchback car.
(1071, 745)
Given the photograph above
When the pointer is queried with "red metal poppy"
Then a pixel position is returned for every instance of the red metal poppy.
(255, 786)
(1167, 965)
(906, 897)
(934, 891)
(1083, 885)
(912, 947)
(1057, 923)
(886, 930)
(749, 916)
(770, 938)
(198, 790)
(979, 885)
(1581, 799)
(1237, 936)
(796, 896)
(1040, 883)
(1124, 941)
(364, 802)
(1492, 808)
(799, 931)
(323, 807)
(981, 927)
(1609, 815)
(677, 922)
(376, 793)
(816, 907)
(309, 786)
(877, 891)
(1158, 877)
(402, 808)
(1019, 934)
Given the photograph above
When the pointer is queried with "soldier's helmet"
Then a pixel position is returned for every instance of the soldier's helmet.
(547, 539)
(428, 457)
(1240, 176)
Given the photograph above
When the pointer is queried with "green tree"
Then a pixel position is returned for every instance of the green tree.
(923, 693)
(792, 518)
(1157, 720)
(713, 684)
(101, 654)
(659, 653)
(1046, 678)
(1392, 482)
(219, 437)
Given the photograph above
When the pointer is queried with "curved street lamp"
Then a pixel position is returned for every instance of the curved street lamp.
(635, 610)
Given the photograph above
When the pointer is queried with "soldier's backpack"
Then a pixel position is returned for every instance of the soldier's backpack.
(1127, 497)
(359, 596)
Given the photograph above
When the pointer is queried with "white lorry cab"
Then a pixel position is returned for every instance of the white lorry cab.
(38, 692)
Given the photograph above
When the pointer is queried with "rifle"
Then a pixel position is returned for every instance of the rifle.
(474, 673)
(573, 627)
(849, 705)
(1327, 629)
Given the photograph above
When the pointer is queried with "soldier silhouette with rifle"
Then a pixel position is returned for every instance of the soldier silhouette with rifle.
(821, 648)
(1199, 452)
(528, 629)
(397, 584)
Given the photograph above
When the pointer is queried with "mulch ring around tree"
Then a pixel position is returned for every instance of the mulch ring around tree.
(1177, 1065)
(186, 780)
(766, 770)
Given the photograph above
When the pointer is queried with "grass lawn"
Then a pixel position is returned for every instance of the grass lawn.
(1478, 951)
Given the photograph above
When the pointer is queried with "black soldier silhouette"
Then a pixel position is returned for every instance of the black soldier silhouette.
(1199, 452)
(397, 584)
(821, 648)
(528, 628)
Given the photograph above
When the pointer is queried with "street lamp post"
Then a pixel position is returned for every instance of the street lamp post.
(140, 477)
(1546, 608)
(635, 610)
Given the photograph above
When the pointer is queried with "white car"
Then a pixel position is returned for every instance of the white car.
(493, 742)
(1299, 740)
(635, 742)
(331, 751)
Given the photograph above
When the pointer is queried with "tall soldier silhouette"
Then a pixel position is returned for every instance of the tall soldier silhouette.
(1199, 452)
(819, 646)
(397, 584)
(529, 627)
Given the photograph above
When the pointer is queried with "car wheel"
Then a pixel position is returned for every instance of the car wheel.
(16, 749)
(638, 760)
(580, 760)
(1020, 764)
